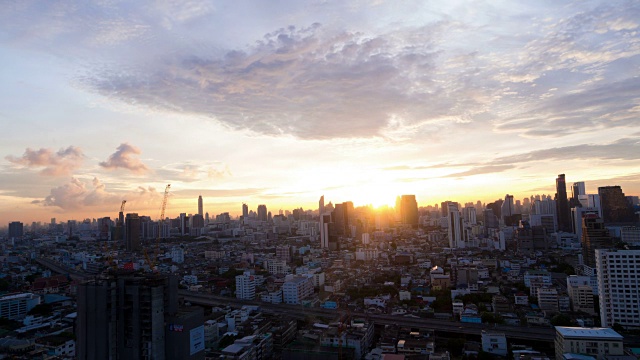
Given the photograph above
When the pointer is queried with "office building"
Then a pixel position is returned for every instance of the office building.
(618, 273)
(16, 230)
(200, 208)
(262, 213)
(132, 233)
(184, 224)
(594, 236)
(577, 189)
(128, 316)
(615, 207)
(409, 210)
(577, 214)
(562, 205)
(595, 342)
(325, 220)
(245, 286)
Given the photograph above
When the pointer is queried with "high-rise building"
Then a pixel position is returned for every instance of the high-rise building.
(562, 205)
(618, 274)
(262, 213)
(615, 207)
(577, 190)
(132, 234)
(409, 210)
(245, 211)
(594, 236)
(321, 205)
(200, 208)
(469, 215)
(245, 286)
(325, 219)
(184, 224)
(16, 230)
(135, 317)
(455, 226)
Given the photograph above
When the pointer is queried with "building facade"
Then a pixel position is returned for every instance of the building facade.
(618, 273)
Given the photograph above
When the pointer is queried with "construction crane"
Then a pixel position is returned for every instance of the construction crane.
(160, 223)
(161, 220)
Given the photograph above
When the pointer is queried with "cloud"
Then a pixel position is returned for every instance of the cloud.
(188, 172)
(62, 162)
(621, 149)
(76, 195)
(479, 170)
(123, 159)
(310, 82)
(80, 194)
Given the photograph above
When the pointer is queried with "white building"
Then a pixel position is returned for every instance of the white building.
(548, 299)
(245, 286)
(618, 274)
(595, 342)
(297, 289)
(16, 307)
(454, 224)
(177, 255)
(494, 343)
(580, 293)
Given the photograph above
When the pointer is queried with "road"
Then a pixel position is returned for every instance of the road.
(542, 334)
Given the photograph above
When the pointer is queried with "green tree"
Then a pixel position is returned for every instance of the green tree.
(456, 346)
(561, 320)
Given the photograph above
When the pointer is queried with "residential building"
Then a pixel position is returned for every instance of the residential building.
(297, 289)
(548, 299)
(618, 273)
(246, 286)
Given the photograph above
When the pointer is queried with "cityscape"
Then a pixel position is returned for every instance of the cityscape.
(323, 179)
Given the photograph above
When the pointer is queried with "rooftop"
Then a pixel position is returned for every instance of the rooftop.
(579, 332)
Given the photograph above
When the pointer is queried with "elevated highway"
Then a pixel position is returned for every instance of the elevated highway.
(541, 334)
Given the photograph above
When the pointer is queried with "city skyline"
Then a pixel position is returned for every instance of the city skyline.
(356, 101)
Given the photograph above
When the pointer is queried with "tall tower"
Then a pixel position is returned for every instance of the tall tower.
(562, 205)
(321, 206)
(132, 225)
(262, 213)
(200, 210)
(409, 210)
(455, 226)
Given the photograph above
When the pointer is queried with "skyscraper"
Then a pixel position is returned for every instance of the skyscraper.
(409, 210)
(321, 205)
(200, 209)
(262, 213)
(16, 230)
(614, 205)
(455, 226)
(132, 225)
(562, 204)
(578, 189)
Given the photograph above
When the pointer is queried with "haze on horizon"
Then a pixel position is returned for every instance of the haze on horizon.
(281, 102)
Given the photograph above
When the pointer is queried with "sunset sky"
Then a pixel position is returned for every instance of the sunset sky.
(280, 102)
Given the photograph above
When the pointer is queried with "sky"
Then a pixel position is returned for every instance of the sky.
(280, 102)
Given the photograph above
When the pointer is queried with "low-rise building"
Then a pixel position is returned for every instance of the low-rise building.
(596, 342)
(494, 343)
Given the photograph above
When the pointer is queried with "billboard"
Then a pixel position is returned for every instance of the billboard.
(196, 340)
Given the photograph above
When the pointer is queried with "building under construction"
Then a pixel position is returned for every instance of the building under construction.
(135, 316)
